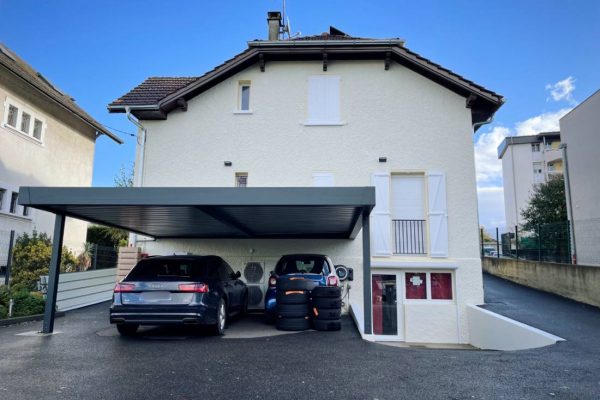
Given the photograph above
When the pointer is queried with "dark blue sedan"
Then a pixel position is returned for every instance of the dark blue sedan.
(178, 290)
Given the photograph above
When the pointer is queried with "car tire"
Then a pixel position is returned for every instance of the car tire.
(127, 329)
(296, 284)
(327, 325)
(244, 310)
(292, 297)
(326, 302)
(327, 292)
(219, 327)
(293, 324)
(326, 314)
(292, 311)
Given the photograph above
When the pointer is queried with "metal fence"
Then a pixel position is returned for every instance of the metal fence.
(103, 257)
(409, 236)
(546, 242)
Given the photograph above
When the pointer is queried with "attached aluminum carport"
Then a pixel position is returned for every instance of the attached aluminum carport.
(184, 212)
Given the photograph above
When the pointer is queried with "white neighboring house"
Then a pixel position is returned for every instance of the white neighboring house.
(527, 161)
(335, 110)
(580, 130)
(45, 140)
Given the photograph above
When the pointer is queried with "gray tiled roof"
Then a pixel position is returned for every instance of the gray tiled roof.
(152, 90)
(24, 71)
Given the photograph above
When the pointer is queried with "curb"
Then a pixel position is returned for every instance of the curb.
(28, 318)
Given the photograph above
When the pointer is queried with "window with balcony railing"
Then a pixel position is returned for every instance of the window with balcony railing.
(408, 214)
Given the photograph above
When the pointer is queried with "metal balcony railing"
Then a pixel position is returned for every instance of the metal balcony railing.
(409, 236)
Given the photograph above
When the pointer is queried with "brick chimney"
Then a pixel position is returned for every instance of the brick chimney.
(275, 23)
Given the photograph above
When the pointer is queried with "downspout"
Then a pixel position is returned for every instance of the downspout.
(140, 175)
(563, 146)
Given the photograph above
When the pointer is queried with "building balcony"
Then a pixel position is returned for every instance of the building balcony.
(409, 236)
(552, 155)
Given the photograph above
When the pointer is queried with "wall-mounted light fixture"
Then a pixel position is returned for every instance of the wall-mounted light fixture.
(382, 159)
(228, 163)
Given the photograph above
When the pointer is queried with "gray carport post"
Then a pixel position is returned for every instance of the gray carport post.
(173, 213)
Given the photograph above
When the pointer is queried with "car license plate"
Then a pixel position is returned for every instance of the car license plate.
(156, 296)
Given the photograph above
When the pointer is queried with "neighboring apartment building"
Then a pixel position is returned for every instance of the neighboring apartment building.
(335, 110)
(45, 140)
(580, 130)
(527, 161)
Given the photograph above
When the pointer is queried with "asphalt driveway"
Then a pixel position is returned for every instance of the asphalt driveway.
(87, 361)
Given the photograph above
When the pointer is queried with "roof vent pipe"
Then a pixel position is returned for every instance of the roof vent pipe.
(275, 24)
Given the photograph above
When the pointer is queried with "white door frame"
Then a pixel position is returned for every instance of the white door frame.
(401, 323)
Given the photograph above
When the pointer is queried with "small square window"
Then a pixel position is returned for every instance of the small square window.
(244, 102)
(37, 129)
(441, 286)
(13, 202)
(241, 179)
(416, 285)
(25, 122)
(13, 113)
(535, 147)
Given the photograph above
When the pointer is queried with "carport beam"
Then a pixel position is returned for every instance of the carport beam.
(53, 273)
(366, 238)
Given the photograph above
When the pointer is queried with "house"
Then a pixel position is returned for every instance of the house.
(344, 111)
(527, 161)
(580, 129)
(46, 139)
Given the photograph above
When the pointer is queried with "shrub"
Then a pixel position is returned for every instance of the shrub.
(31, 259)
(25, 302)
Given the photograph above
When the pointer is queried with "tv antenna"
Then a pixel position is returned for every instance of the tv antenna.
(286, 28)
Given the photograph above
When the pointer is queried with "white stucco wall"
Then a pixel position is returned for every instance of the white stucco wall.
(580, 130)
(418, 125)
(65, 158)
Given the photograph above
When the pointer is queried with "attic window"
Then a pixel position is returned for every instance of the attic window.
(244, 96)
(22, 120)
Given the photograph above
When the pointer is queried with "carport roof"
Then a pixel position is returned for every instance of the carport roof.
(186, 212)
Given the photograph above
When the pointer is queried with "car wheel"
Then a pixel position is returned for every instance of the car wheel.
(127, 329)
(245, 304)
(221, 318)
(327, 292)
(326, 313)
(292, 297)
(326, 302)
(292, 310)
(293, 324)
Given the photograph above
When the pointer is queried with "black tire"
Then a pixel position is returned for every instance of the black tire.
(244, 309)
(327, 292)
(127, 329)
(327, 325)
(292, 310)
(292, 297)
(326, 302)
(326, 314)
(269, 318)
(219, 327)
(293, 324)
(296, 284)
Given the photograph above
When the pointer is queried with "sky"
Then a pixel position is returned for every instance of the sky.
(543, 56)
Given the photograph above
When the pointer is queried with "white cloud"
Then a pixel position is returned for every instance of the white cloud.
(562, 90)
(489, 167)
(491, 208)
(546, 122)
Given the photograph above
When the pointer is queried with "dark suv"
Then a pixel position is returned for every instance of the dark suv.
(201, 290)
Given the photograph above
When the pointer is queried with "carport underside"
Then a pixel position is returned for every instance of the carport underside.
(216, 213)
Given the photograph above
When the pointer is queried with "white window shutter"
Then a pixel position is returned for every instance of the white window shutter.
(323, 99)
(438, 216)
(332, 98)
(381, 223)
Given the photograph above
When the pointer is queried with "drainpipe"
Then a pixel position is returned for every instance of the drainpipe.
(563, 146)
(140, 175)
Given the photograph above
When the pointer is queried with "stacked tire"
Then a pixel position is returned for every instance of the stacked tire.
(293, 304)
(326, 303)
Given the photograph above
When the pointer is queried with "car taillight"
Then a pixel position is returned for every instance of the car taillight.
(193, 287)
(124, 287)
(272, 281)
(332, 281)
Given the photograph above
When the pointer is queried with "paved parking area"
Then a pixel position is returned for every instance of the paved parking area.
(88, 361)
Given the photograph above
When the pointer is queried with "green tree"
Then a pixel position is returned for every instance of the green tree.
(31, 259)
(106, 236)
(547, 204)
(125, 176)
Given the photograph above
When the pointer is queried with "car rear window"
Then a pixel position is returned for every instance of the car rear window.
(300, 264)
(169, 269)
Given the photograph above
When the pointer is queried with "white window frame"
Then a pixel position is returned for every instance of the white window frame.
(241, 85)
(239, 175)
(33, 117)
(535, 147)
(332, 115)
(428, 273)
